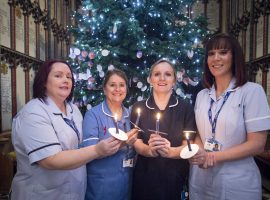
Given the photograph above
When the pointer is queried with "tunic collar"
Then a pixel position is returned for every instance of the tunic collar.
(151, 104)
(106, 110)
(54, 108)
(212, 90)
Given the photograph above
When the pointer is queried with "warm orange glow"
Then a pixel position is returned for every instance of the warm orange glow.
(158, 116)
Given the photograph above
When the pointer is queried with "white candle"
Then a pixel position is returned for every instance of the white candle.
(138, 116)
(116, 123)
(157, 122)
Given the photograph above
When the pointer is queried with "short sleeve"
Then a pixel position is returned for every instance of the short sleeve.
(36, 134)
(90, 129)
(256, 109)
(190, 123)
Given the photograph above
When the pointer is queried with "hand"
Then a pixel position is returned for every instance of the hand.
(107, 147)
(155, 142)
(132, 136)
(164, 150)
(199, 158)
(210, 161)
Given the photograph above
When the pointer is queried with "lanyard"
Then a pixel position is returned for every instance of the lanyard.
(214, 122)
(72, 125)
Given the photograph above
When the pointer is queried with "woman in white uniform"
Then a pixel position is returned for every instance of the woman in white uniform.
(46, 134)
(233, 118)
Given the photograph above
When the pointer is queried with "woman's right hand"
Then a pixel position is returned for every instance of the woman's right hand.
(132, 136)
(108, 147)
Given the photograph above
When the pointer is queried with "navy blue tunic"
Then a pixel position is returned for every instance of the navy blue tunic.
(162, 178)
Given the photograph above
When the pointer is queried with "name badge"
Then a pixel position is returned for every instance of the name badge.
(212, 145)
(128, 162)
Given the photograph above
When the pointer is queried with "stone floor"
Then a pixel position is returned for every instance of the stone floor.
(266, 195)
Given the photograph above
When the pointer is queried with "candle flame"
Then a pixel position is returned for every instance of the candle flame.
(158, 116)
(139, 111)
(115, 117)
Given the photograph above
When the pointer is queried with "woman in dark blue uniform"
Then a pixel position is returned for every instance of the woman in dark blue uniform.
(159, 173)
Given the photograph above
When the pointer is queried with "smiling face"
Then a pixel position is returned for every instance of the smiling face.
(59, 82)
(115, 89)
(220, 62)
(162, 78)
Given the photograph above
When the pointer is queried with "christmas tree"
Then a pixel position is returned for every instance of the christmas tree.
(131, 35)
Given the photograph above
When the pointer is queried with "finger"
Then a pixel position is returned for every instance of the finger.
(132, 132)
(155, 135)
(210, 160)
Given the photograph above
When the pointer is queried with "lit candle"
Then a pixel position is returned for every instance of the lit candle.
(189, 146)
(116, 123)
(138, 116)
(187, 136)
(157, 122)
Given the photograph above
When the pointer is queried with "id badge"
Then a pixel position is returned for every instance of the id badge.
(128, 162)
(212, 145)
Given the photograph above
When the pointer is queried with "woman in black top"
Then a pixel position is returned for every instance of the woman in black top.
(159, 173)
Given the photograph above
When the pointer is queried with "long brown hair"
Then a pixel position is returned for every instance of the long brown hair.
(225, 41)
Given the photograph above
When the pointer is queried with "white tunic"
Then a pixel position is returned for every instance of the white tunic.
(39, 131)
(245, 111)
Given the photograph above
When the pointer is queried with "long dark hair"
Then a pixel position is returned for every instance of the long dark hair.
(39, 89)
(225, 41)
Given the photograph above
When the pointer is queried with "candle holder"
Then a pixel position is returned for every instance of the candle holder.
(121, 135)
(191, 149)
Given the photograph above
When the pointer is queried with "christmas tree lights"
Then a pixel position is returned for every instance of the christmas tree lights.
(131, 35)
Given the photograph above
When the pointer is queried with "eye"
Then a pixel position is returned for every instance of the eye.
(210, 53)
(224, 51)
(122, 85)
(156, 74)
(168, 74)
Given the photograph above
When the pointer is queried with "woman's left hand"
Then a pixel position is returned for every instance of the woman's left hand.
(209, 162)
(200, 158)
(164, 150)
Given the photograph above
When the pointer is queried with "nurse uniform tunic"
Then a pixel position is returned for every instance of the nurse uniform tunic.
(39, 131)
(245, 111)
(158, 178)
(107, 178)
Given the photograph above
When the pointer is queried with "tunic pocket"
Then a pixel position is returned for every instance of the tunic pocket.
(235, 125)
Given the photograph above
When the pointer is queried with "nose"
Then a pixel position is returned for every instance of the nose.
(66, 79)
(162, 77)
(216, 56)
(117, 87)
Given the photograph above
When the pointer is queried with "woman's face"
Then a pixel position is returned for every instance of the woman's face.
(59, 82)
(162, 78)
(220, 62)
(115, 89)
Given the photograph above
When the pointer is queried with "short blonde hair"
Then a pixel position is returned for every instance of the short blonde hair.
(166, 60)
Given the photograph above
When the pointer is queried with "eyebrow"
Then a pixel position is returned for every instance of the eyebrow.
(60, 72)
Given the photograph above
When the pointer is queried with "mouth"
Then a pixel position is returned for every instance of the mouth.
(217, 66)
(64, 88)
(117, 95)
(162, 84)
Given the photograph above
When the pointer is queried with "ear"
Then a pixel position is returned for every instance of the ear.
(104, 91)
(149, 80)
